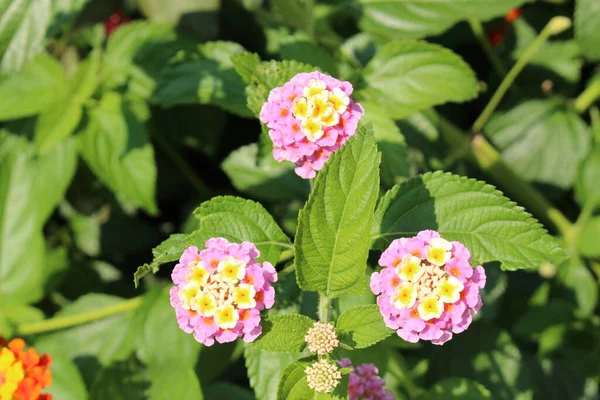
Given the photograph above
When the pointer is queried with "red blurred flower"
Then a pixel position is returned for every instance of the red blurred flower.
(115, 20)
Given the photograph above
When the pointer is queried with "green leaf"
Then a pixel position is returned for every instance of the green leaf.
(489, 356)
(262, 77)
(32, 89)
(116, 146)
(538, 318)
(391, 143)
(87, 344)
(396, 19)
(224, 390)
(199, 18)
(587, 27)
(174, 381)
(578, 279)
(457, 389)
(23, 28)
(233, 218)
(239, 220)
(22, 246)
(126, 380)
(157, 330)
(362, 326)
(586, 184)
(408, 76)
(64, 14)
(332, 240)
(137, 52)
(56, 123)
(307, 52)
(283, 333)
(209, 79)
(54, 173)
(588, 238)
(67, 383)
(266, 179)
(293, 385)
(264, 369)
(533, 135)
(476, 214)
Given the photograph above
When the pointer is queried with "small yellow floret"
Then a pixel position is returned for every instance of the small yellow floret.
(198, 275)
(232, 269)
(314, 87)
(449, 289)
(205, 304)
(339, 99)
(243, 296)
(430, 307)
(300, 108)
(226, 317)
(410, 269)
(187, 293)
(405, 296)
(323, 376)
(312, 129)
(438, 251)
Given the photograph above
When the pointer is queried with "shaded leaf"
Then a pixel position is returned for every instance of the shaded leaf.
(283, 333)
(362, 326)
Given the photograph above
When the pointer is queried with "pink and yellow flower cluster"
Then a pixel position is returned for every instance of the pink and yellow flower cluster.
(310, 117)
(221, 290)
(365, 382)
(428, 290)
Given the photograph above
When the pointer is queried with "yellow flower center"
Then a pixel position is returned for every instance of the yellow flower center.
(319, 108)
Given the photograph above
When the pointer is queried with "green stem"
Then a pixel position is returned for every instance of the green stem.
(595, 118)
(554, 27)
(480, 152)
(588, 96)
(485, 44)
(324, 308)
(183, 166)
(56, 323)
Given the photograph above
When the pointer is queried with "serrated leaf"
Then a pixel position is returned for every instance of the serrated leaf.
(408, 76)
(32, 89)
(262, 77)
(283, 333)
(332, 239)
(362, 326)
(472, 212)
(209, 79)
(263, 179)
(23, 28)
(239, 220)
(264, 370)
(587, 27)
(457, 389)
(534, 134)
(396, 19)
(115, 145)
(233, 218)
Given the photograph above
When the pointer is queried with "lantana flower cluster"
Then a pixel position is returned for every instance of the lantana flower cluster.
(428, 290)
(308, 118)
(221, 290)
(23, 373)
(323, 375)
(365, 382)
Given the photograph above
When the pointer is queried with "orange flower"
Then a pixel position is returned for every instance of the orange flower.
(23, 373)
